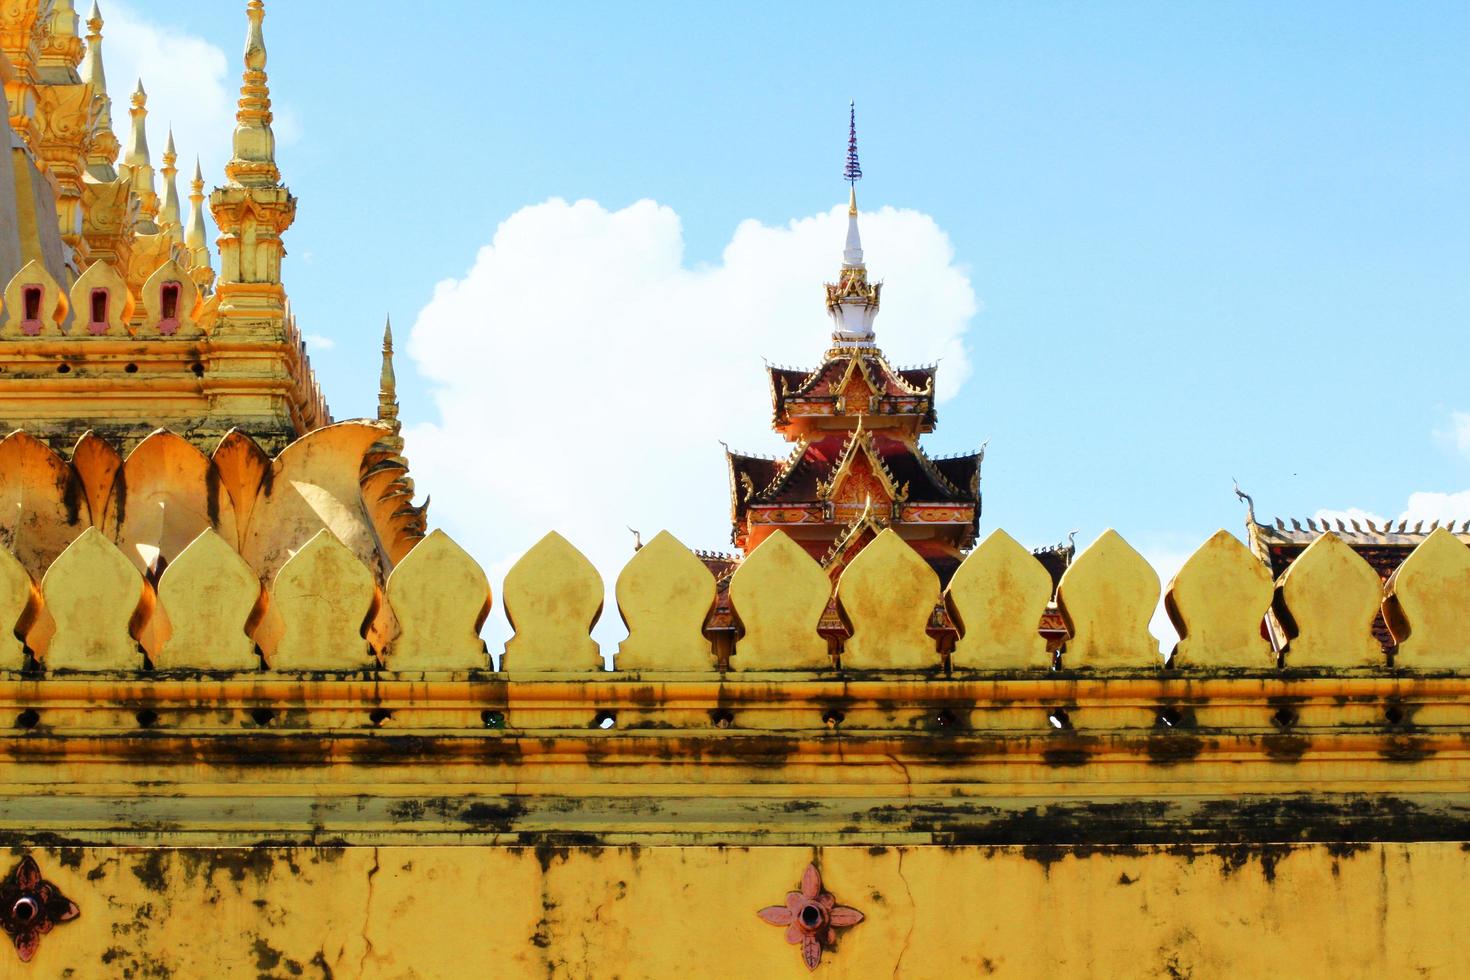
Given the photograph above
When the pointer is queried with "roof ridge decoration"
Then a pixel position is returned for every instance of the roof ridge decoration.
(786, 472)
(865, 519)
(898, 374)
(812, 378)
(862, 438)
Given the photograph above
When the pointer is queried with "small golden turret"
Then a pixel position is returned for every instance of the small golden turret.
(253, 209)
(170, 218)
(254, 160)
(138, 165)
(195, 239)
(102, 146)
(388, 394)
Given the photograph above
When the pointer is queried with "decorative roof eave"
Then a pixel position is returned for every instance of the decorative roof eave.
(1351, 531)
(807, 383)
(930, 369)
(787, 470)
(862, 438)
(933, 472)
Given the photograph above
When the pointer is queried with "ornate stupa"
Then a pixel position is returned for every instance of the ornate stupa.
(855, 421)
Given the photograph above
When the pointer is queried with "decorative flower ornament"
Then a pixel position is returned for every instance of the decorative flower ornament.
(30, 907)
(811, 917)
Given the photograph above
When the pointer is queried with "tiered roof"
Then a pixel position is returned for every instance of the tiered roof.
(855, 421)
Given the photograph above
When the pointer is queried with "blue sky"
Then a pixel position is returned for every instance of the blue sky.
(1208, 240)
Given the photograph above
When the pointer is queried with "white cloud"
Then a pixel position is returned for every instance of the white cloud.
(319, 342)
(1430, 507)
(584, 373)
(1458, 433)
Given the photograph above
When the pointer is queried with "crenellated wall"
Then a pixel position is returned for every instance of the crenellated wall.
(241, 698)
(208, 558)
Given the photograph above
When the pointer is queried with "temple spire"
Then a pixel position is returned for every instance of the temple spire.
(388, 393)
(138, 165)
(254, 160)
(102, 145)
(852, 254)
(253, 208)
(852, 302)
(171, 219)
(195, 240)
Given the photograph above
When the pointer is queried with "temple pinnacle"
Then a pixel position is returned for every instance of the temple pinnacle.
(852, 301)
(102, 145)
(171, 216)
(853, 172)
(388, 393)
(254, 160)
(138, 164)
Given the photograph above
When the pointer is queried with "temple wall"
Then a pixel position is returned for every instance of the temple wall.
(1305, 911)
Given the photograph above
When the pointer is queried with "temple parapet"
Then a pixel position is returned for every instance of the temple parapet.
(312, 560)
(221, 619)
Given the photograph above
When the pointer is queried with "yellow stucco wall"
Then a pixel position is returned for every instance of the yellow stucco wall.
(1303, 911)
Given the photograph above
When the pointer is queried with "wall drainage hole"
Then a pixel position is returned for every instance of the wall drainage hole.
(147, 718)
(833, 718)
(263, 716)
(944, 719)
(1394, 715)
(1285, 718)
(1170, 718)
(379, 715)
(198, 369)
(1059, 719)
(63, 369)
(28, 718)
(722, 718)
(131, 369)
(605, 720)
(493, 719)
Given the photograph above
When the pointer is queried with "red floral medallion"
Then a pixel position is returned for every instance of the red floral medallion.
(811, 917)
(30, 907)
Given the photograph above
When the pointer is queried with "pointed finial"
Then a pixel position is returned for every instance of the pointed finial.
(102, 144)
(388, 392)
(853, 172)
(388, 379)
(171, 219)
(852, 301)
(254, 160)
(137, 162)
(194, 237)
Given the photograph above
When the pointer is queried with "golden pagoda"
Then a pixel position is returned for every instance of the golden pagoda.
(115, 320)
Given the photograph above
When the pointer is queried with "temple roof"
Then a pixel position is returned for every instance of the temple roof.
(1384, 546)
(805, 475)
(901, 391)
